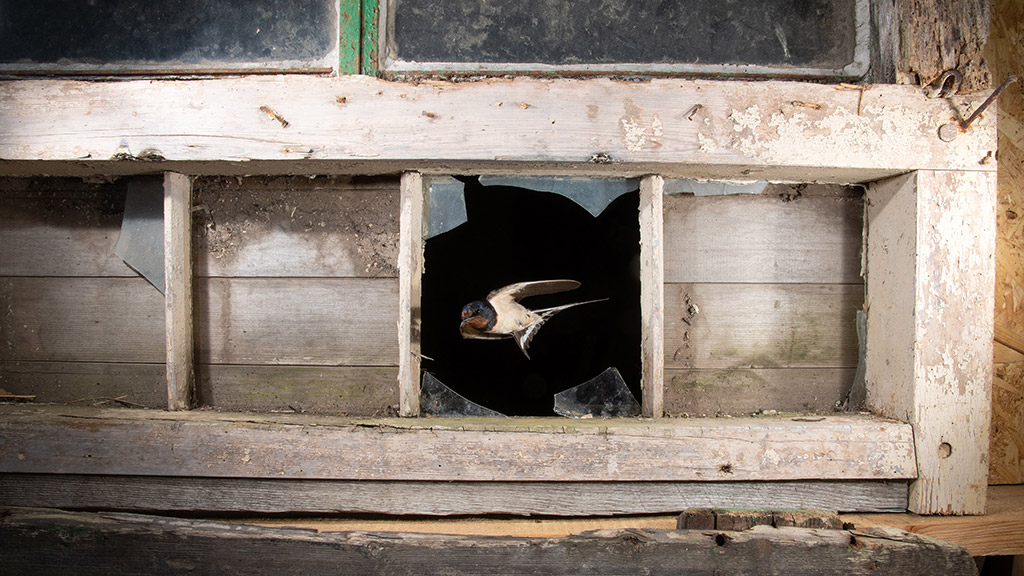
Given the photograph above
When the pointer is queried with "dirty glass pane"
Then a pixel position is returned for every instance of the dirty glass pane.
(171, 34)
(818, 34)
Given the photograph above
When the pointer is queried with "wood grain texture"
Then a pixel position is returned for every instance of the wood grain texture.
(270, 496)
(296, 227)
(48, 541)
(87, 383)
(59, 227)
(745, 391)
(196, 443)
(745, 130)
(410, 267)
(297, 321)
(998, 533)
(336, 390)
(652, 296)
(729, 326)
(178, 291)
(1005, 54)
(929, 349)
(82, 320)
(763, 238)
(940, 35)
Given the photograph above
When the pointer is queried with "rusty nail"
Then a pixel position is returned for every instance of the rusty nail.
(696, 108)
(1010, 79)
(810, 105)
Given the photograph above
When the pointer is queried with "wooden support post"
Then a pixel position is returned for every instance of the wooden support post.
(410, 270)
(178, 289)
(652, 282)
(931, 269)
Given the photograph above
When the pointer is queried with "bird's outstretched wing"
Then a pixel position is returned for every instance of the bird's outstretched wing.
(526, 289)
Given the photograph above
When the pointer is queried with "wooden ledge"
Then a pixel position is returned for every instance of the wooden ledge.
(48, 439)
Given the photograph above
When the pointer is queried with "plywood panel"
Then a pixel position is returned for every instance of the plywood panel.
(81, 320)
(87, 382)
(352, 391)
(297, 321)
(763, 238)
(753, 390)
(729, 326)
(60, 227)
(297, 226)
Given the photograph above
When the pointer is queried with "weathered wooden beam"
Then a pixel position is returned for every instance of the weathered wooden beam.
(410, 274)
(652, 297)
(356, 124)
(178, 290)
(931, 268)
(267, 496)
(140, 442)
(43, 541)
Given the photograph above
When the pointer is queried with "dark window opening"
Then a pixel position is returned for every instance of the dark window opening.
(514, 235)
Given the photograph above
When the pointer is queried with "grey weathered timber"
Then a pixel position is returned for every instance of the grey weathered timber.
(269, 496)
(87, 383)
(777, 238)
(82, 320)
(198, 443)
(41, 541)
(332, 390)
(177, 264)
(728, 326)
(296, 227)
(358, 124)
(747, 390)
(652, 295)
(410, 271)
(297, 321)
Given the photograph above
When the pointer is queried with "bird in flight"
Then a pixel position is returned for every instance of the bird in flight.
(500, 315)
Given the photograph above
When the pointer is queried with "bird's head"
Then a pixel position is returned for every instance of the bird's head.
(478, 315)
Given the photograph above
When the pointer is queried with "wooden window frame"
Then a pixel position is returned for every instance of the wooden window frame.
(933, 322)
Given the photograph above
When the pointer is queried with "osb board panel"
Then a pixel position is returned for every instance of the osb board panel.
(731, 326)
(297, 226)
(81, 320)
(412, 498)
(202, 443)
(87, 383)
(940, 35)
(60, 227)
(341, 391)
(1005, 53)
(782, 236)
(1006, 465)
(301, 321)
(706, 392)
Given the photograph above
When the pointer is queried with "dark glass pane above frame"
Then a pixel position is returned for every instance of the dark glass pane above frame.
(809, 37)
(113, 35)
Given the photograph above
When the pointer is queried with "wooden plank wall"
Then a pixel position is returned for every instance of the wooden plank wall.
(296, 294)
(761, 297)
(78, 325)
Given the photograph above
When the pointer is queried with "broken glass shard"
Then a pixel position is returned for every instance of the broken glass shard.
(436, 399)
(604, 396)
(141, 242)
(713, 187)
(593, 194)
(446, 206)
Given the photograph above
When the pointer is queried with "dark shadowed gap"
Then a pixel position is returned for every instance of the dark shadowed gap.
(515, 235)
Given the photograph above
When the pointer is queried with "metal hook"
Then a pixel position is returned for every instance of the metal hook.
(938, 88)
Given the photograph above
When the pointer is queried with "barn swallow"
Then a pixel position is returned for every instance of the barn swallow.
(501, 315)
